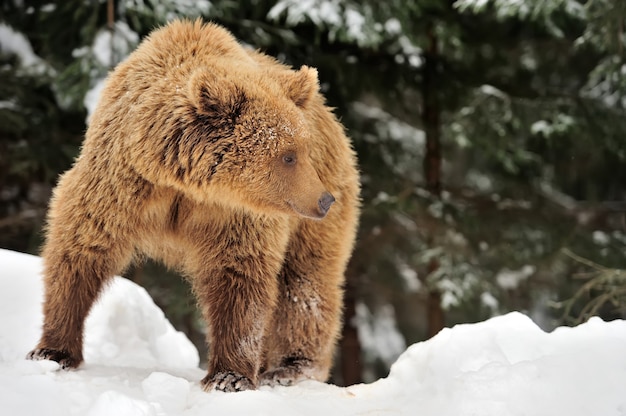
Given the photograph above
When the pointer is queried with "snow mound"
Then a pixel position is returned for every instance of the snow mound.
(125, 327)
(137, 364)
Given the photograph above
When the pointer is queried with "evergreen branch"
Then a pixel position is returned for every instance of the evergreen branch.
(583, 260)
(593, 307)
(611, 283)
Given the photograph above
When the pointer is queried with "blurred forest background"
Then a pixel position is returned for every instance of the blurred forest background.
(491, 137)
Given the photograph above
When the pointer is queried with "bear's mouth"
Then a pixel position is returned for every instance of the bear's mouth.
(315, 214)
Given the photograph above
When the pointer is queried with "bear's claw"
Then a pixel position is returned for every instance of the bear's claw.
(65, 360)
(292, 371)
(227, 381)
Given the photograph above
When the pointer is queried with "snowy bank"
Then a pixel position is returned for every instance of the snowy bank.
(137, 364)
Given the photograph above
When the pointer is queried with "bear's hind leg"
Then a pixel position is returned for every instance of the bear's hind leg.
(73, 281)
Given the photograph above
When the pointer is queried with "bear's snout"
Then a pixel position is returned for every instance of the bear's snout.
(324, 203)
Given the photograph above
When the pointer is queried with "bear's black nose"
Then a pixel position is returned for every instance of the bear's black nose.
(325, 201)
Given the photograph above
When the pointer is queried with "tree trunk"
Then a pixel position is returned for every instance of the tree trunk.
(350, 346)
(432, 165)
(436, 317)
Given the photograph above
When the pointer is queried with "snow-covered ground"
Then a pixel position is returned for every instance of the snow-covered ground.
(138, 364)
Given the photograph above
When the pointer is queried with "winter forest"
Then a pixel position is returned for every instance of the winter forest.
(491, 137)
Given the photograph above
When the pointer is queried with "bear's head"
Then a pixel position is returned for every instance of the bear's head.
(245, 139)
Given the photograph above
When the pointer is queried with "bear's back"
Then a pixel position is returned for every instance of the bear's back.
(183, 42)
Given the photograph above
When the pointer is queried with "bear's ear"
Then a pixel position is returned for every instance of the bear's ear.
(301, 85)
(216, 96)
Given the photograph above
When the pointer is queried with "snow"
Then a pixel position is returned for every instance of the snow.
(378, 333)
(489, 301)
(390, 128)
(393, 26)
(12, 42)
(543, 11)
(92, 97)
(511, 279)
(412, 283)
(337, 16)
(125, 326)
(524, 8)
(108, 49)
(318, 11)
(110, 46)
(167, 10)
(601, 238)
(137, 364)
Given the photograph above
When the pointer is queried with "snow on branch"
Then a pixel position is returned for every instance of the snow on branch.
(347, 21)
(536, 10)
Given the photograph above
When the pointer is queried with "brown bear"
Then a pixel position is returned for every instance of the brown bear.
(222, 163)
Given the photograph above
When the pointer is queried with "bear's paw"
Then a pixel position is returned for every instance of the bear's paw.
(292, 371)
(65, 360)
(227, 381)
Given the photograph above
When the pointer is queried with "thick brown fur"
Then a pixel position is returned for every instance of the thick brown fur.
(220, 162)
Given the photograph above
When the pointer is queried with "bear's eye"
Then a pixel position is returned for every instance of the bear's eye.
(289, 159)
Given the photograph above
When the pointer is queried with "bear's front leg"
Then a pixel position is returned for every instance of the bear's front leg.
(305, 328)
(234, 277)
(237, 305)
